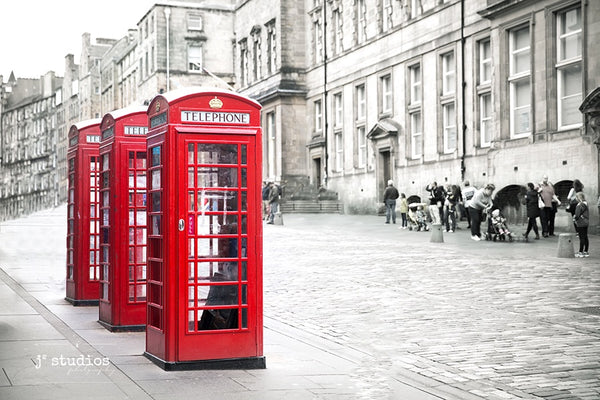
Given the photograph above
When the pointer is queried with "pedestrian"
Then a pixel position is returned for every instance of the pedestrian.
(273, 201)
(548, 210)
(460, 209)
(572, 197)
(403, 208)
(390, 195)
(450, 206)
(533, 210)
(265, 200)
(467, 194)
(582, 221)
(437, 196)
(480, 204)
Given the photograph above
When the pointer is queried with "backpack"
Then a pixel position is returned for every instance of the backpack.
(582, 221)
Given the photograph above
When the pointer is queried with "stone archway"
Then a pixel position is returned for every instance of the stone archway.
(509, 200)
(413, 199)
(561, 189)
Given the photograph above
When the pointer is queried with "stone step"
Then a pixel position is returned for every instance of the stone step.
(312, 206)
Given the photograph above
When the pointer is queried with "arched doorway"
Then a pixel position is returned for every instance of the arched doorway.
(509, 201)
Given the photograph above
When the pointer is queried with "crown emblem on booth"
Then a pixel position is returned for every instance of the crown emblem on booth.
(215, 103)
(157, 106)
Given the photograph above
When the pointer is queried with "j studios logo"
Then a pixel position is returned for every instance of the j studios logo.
(82, 361)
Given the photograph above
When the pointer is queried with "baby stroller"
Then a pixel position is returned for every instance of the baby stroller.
(497, 228)
(417, 217)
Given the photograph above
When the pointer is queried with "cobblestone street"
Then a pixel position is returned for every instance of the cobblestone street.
(498, 320)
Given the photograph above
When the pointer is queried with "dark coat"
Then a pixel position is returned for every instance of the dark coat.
(390, 193)
(531, 202)
(582, 215)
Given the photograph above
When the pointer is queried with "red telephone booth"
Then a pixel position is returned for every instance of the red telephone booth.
(123, 220)
(204, 231)
(83, 250)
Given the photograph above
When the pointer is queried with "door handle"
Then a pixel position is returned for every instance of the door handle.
(181, 224)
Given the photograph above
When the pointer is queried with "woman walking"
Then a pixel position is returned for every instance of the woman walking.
(533, 211)
(582, 220)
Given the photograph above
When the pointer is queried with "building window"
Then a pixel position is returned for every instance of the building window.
(244, 61)
(256, 59)
(361, 139)
(361, 103)
(270, 145)
(361, 21)
(485, 62)
(449, 122)
(485, 119)
(385, 83)
(415, 84)
(386, 15)
(416, 8)
(448, 74)
(568, 67)
(271, 48)
(337, 31)
(317, 34)
(416, 135)
(519, 82)
(194, 58)
(194, 22)
(152, 59)
(338, 110)
(339, 152)
(318, 116)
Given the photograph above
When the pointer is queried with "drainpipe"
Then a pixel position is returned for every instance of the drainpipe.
(167, 11)
(463, 89)
(326, 121)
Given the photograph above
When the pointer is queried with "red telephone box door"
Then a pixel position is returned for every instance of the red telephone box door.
(217, 247)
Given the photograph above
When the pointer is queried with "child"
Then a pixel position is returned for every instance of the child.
(499, 223)
(403, 208)
(581, 219)
(421, 219)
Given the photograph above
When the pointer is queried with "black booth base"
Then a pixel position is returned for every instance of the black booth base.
(122, 328)
(82, 302)
(229, 363)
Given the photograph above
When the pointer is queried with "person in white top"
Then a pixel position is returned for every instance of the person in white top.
(467, 194)
(481, 201)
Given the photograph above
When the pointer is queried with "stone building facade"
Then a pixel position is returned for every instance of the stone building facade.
(356, 92)
(28, 156)
(111, 74)
(270, 67)
(422, 91)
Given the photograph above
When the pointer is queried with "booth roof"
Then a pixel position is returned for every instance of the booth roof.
(173, 95)
(88, 122)
(121, 112)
